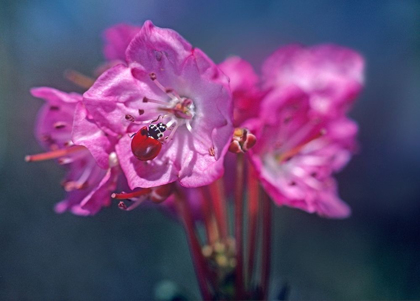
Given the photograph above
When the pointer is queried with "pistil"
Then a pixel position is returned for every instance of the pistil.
(55, 154)
(129, 195)
(292, 152)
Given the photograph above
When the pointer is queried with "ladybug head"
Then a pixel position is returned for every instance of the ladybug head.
(156, 130)
(161, 126)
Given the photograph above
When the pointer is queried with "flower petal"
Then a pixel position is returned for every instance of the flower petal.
(332, 75)
(117, 38)
(88, 134)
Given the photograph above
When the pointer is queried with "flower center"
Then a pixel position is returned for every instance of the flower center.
(175, 112)
(179, 110)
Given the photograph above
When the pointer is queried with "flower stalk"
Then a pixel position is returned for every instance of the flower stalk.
(219, 205)
(239, 215)
(197, 256)
(266, 244)
(253, 212)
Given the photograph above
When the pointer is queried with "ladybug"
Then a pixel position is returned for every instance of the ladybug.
(146, 143)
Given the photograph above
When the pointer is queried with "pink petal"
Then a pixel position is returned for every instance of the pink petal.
(240, 73)
(88, 134)
(117, 39)
(330, 74)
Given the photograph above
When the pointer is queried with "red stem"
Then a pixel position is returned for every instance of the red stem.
(208, 216)
(266, 244)
(239, 192)
(219, 206)
(253, 190)
(197, 256)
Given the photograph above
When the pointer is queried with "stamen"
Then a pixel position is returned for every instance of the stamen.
(129, 195)
(54, 154)
(168, 91)
(160, 102)
(157, 83)
(174, 93)
(141, 112)
(172, 131)
(124, 207)
(74, 185)
(289, 154)
(79, 79)
(54, 108)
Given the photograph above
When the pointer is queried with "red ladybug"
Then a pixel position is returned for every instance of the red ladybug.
(146, 143)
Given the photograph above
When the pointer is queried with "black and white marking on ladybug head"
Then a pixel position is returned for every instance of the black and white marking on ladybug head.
(156, 130)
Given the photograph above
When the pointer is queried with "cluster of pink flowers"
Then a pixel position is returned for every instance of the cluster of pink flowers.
(161, 118)
(296, 111)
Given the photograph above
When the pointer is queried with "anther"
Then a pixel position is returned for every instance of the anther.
(129, 117)
(54, 108)
(122, 206)
(187, 102)
(158, 55)
(212, 151)
(59, 125)
(141, 112)
(68, 143)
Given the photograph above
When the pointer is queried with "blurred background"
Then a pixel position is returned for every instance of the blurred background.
(375, 254)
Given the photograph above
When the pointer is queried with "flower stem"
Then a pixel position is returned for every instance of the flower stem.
(239, 192)
(266, 244)
(219, 206)
(209, 223)
(253, 209)
(197, 256)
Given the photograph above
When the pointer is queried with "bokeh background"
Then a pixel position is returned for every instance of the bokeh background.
(115, 255)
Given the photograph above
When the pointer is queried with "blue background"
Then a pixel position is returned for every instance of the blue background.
(118, 255)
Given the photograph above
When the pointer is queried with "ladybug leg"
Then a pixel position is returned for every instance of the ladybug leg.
(132, 135)
(157, 119)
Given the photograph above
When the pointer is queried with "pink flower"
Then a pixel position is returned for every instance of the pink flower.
(117, 38)
(331, 75)
(244, 85)
(298, 151)
(166, 79)
(88, 186)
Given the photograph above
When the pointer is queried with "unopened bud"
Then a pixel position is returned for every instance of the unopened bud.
(242, 141)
